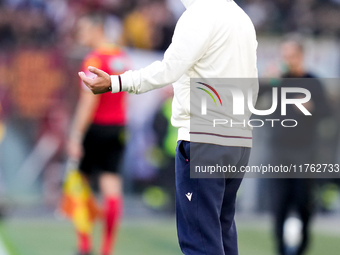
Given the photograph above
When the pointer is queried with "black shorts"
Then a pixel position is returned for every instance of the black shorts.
(103, 150)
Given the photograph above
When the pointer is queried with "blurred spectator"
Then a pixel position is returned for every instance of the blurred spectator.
(297, 146)
(137, 28)
(261, 12)
(149, 26)
(304, 16)
(6, 30)
(31, 25)
(163, 24)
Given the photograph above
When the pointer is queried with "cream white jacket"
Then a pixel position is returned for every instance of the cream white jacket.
(212, 39)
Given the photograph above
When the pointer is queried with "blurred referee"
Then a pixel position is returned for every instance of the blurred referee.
(212, 39)
(97, 132)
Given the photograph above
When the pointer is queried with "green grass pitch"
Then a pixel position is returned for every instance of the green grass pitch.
(138, 237)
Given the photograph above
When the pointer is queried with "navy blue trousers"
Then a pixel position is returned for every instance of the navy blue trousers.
(205, 208)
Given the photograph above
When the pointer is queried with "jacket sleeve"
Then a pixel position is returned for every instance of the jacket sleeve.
(189, 43)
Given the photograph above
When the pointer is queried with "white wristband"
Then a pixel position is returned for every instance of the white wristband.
(116, 84)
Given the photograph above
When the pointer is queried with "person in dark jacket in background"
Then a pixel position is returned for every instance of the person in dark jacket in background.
(296, 146)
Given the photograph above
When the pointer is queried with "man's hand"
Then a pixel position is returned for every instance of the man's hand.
(99, 84)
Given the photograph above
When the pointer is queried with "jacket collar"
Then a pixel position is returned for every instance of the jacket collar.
(187, 3)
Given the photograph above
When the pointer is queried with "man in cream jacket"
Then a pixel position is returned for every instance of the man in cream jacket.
(212, 39)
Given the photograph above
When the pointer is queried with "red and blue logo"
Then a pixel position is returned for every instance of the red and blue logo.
(209, 93)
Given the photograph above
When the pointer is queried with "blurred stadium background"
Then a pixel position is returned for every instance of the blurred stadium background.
(39, 60)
